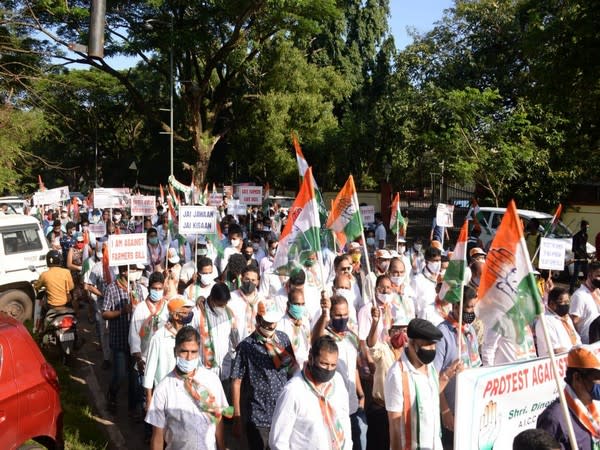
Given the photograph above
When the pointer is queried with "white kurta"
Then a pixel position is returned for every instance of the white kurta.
(557, 332)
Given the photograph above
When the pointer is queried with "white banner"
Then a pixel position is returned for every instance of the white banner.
(126, 249)
(143, 205)
(552, 254)
(494, 404)
(250, 195)
(197, 220)
(237, 209)
(367, 213)
(444, 216)
(111, 197)
(51, 196)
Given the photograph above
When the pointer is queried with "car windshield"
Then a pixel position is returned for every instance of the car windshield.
(559, 230)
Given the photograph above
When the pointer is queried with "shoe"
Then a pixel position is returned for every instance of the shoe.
(106, 364)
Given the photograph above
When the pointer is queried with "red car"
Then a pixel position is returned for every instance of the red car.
(29, 391)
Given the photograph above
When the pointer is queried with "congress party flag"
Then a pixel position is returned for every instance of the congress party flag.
(397, 222)
(454, 278)
(300, 236)
(345, 219)
(550, 226)
(509, 299)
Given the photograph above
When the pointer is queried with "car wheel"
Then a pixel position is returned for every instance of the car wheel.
(16, 304)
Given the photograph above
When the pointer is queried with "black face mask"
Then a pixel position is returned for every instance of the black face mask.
(426, 356)
(321, 375)
(596, 283)
(562, 310)
(247, 287)
(339, 325)
(468, 317)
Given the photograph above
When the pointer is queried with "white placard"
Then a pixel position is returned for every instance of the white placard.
(444, 216)
(237, 209)
(250, 195)
(126, 249)
(143, 205)
(51, 196)
(367, 213)
(228, 191)
(215, 199)
(197, 220)
(552, 254)
(111, 197)
(99, 229)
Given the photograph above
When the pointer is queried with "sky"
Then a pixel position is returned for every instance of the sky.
(418, 14)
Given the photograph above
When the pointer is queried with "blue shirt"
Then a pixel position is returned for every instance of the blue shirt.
(260, 379)
(553, 421)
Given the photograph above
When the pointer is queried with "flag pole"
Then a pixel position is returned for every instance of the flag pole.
(561, 394)
(364, 244)
(546, 231)
(462, 296)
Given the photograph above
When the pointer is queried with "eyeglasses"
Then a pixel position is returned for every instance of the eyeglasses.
(346, 269)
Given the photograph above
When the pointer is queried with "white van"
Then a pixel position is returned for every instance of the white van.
(23, 246)
(491, 218)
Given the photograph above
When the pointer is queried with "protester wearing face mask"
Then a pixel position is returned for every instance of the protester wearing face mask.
(160, 358)
(204, 281)
(264, 362)
(312, 269)
(582, 392)
(189, 404)
(296, 324)
(585, 302)
(312, 410)
(416, 256)
(342, 286)
(297, 281)
(267, 262)
(156, 251)
(334, 322)
(383, 354)
(244, 301)
(382, 261)
(216, 323)
(415, 369)
(424, 283)
(398, 276)
(561, 330)
(447, 355)
(235, 244)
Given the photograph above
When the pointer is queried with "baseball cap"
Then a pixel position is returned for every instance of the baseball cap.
(353, 246)
(269, 312)
(383, 254)
(178, 302)
(582, 357)
(476, 251)
(172, 256)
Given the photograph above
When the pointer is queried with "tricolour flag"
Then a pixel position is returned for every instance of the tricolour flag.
(397, 222)
(555, 218)
(345, 219)
(454, 278)
(509, 299)
(300, 236)
(302, 164)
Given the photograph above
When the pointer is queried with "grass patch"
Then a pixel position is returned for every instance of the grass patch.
(81, 431)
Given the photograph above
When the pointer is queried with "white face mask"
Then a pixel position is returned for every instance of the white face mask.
(117, 217)
(401, 249)
(206, 278)
(235, 242)
(434, 266)
(135, 275)
(385, 298)
(418, 247)
(397, 281)
(346, 293)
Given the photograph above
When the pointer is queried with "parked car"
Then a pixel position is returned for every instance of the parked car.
(22, 245)
(16, 204)
(491, 218)
(29, 391)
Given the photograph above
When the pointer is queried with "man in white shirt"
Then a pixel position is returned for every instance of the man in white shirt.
(235, 245)
(585, 302)
(561, 330)
(160, 358)
(244, 301)
(205, 280)
(312, 410)
(398, 275)
(422, 411)
(424, 283)
(189, 403)
(296, 324)
(312, 298)
(266, 263)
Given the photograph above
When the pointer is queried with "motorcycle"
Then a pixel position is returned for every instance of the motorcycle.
(57, 328)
